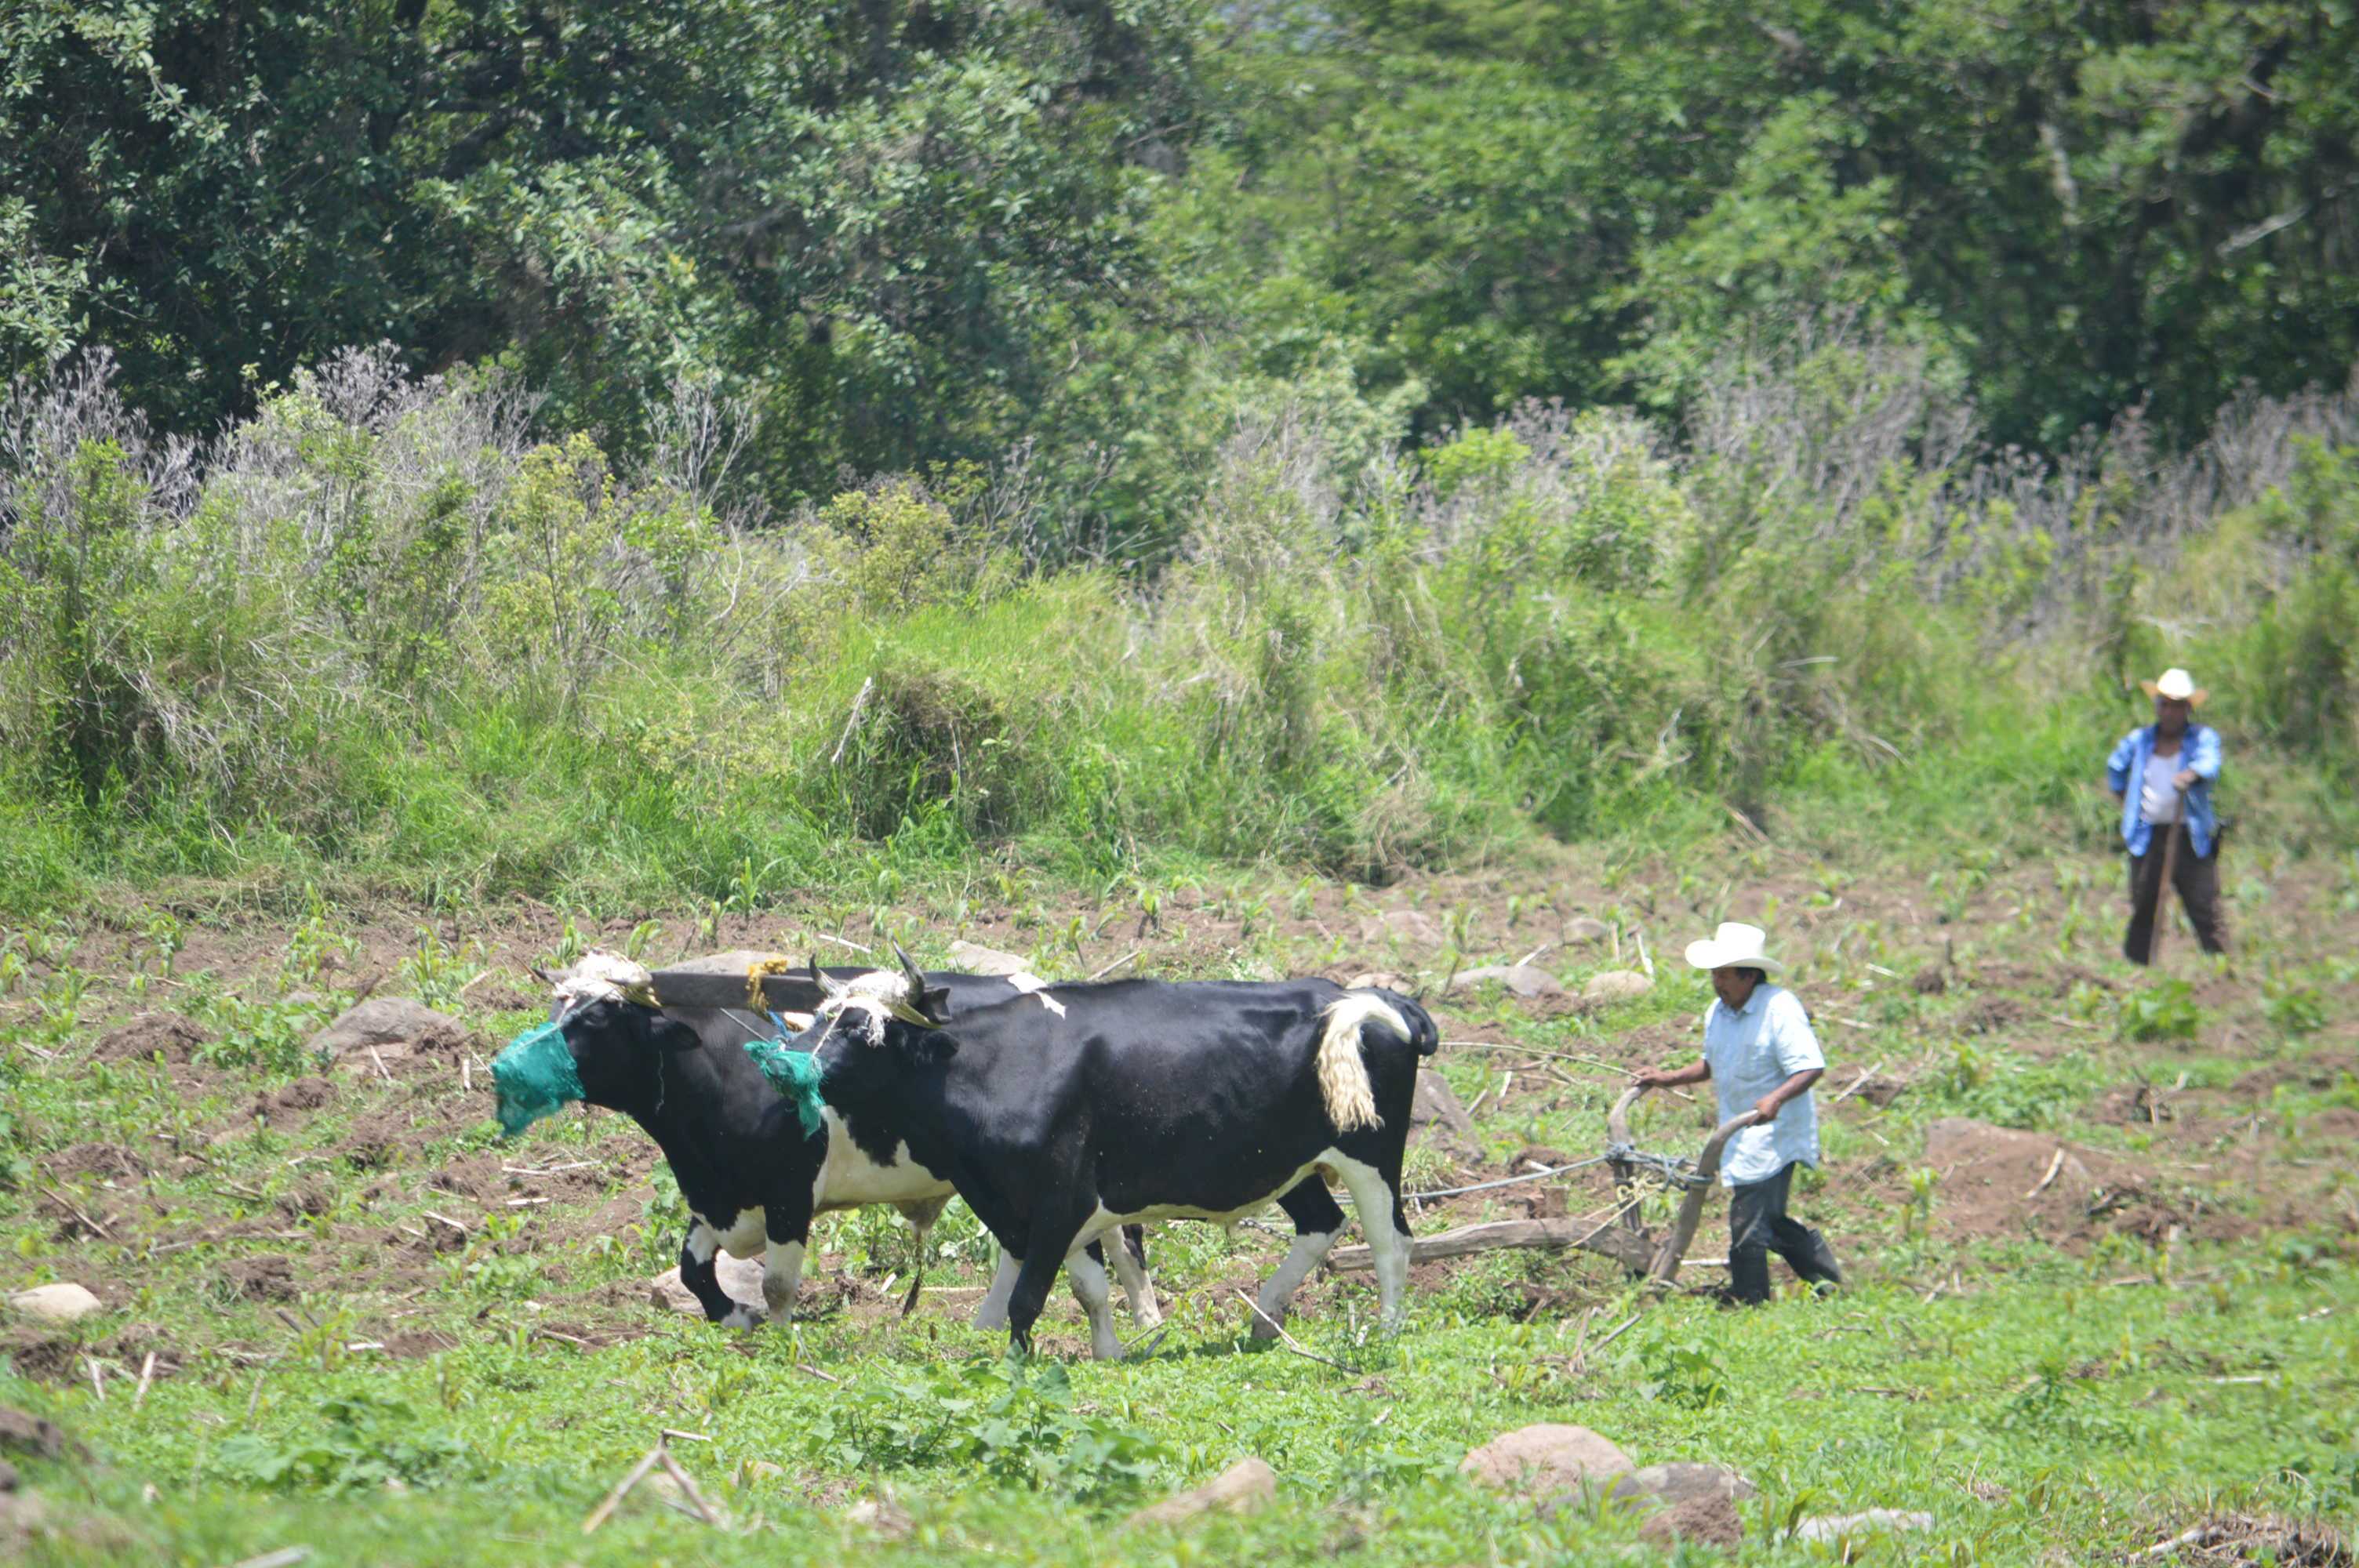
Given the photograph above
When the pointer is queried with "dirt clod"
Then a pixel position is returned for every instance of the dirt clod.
(270, 1277)
(152, 1034)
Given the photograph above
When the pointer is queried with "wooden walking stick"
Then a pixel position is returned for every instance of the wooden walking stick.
(2163, 882)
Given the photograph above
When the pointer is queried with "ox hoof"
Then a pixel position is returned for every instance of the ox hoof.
(1262, 1328)
(745, 1317)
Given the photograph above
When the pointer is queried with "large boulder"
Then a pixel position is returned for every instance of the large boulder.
(974, 959)
(1659, 1485)
(740, 1277)
(1615, 985)
(1842, 1527)
(1435, 1105)
(1244, 1487)
(1411, 927)
(1545, 1461)
(381, 1021)
(60, 1304)
(734, 962)
(1527, 980)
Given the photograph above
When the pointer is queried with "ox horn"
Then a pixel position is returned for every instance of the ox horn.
(828, 986)
(916, 981)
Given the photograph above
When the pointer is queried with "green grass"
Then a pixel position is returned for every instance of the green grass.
(2037, 1399)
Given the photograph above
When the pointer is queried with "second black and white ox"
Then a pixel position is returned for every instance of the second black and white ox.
(1140, 1101)
(754, 1178)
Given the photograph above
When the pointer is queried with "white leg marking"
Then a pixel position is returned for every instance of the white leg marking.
(782, 1271)
(1091, 1289)
(1372, 1200)
(1136, 1286)
(992, 1315)
(1278, 1293)
(743, 1316)
(703, 1241)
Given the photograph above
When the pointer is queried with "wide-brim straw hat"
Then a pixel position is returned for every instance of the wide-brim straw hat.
(2177, 685)
(1735, 946)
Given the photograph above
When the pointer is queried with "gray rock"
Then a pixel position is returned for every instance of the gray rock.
(1581, 930)
(973, 959)
(1615, 985)
(1413, 927)
(60, 1303)
(1835, 1527)
(736, 961)
(382, 1020)
(1436, 1104)
(1655, 1485)
(1545, 1461)
(1245, 1486)
(1384, 978)
(1521, 979)
(741, 1277)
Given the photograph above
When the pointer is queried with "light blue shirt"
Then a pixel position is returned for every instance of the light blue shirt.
(1750, 1052)
(2125, 769)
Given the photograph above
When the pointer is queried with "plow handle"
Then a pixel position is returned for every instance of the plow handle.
(1674, 1245)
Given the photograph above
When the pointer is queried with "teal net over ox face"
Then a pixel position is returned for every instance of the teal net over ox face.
(535, 1077)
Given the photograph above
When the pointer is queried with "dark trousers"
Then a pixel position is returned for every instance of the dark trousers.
(1758, 1226)
(2198, 882)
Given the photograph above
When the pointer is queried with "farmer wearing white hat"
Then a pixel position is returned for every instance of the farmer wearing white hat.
(1761, 1057)
(2161, 776)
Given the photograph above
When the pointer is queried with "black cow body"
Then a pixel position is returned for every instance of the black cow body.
(751, 1175)
(1143, 1100)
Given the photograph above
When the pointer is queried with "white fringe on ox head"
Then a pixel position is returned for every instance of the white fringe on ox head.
(869, 1000)
(601, 976)
(1343, 1073)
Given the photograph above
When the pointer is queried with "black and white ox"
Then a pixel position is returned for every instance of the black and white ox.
(752, 1177)
(1137, 1100)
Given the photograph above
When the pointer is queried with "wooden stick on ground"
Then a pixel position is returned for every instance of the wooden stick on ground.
(704, 1511)
(146, 1375)
(1287, 1339)
(1857, 1083)
(2054, 1165)
(600, 1514)
(1117, 964)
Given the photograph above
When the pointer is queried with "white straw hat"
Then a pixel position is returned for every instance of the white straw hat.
(2177, 685)
(1734, 947)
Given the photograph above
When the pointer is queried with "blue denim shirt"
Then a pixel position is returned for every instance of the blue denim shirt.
(2198, 748)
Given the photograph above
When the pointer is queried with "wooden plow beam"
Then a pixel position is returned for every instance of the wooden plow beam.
(1621, 1236)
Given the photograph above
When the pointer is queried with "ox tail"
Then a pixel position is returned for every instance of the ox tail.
(1343, 1073)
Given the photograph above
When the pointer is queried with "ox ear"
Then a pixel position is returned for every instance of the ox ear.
(666, 1033)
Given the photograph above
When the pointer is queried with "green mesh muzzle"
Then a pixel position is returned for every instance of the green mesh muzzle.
(794, 1073)
(535, 1077)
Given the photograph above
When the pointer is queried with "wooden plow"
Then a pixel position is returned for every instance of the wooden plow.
(1620, 1234)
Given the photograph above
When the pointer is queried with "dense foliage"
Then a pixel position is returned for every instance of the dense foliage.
(918, 232)
(385, 632)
